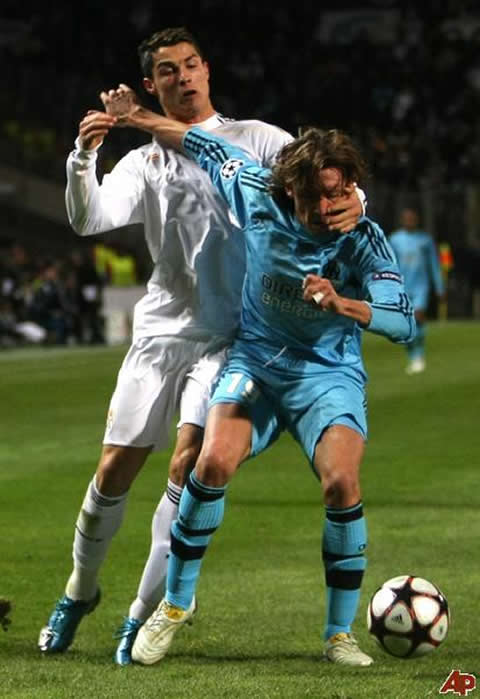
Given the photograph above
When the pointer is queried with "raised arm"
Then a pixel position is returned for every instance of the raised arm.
(123, 109)
(392, 313)
(222, 160)
(93, 207)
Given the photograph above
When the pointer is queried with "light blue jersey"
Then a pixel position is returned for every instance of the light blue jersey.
(419, 264)
(294, 365)
(280, 252)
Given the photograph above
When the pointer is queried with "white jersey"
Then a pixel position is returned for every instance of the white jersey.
(196, 247)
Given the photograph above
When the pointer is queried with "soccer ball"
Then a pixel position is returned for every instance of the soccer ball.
(408, 616)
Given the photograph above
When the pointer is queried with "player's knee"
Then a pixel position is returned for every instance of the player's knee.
(181, 464)
(116, 471)
(214, 467)
(341, 489)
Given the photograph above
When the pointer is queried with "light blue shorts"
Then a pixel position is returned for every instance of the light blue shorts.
(302, 396)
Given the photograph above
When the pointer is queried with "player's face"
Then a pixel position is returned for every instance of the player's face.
(180, 82)
(409, 219)
(311, 210)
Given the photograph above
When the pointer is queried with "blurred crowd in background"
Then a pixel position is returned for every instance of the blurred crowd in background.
(402, 77)
(55, 300)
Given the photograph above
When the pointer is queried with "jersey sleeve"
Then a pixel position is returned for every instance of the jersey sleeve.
(226, 165)
(93, 207)
(392, 313)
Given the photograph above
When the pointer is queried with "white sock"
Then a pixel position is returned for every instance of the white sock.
(98, 521)
(152, 585)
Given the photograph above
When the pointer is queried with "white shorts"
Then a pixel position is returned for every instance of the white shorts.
(157, 377)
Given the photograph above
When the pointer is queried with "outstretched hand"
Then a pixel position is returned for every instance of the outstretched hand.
(120, 103)
(122, 108)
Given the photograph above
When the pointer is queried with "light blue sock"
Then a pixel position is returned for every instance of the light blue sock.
(344, 544)
(200, 512)
(416, 349)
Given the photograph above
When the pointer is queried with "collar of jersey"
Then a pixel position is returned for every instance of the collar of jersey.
(210, 123)
(320, 239)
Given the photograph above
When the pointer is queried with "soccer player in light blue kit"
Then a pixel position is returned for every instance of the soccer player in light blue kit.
(420, 266)
(296, 364)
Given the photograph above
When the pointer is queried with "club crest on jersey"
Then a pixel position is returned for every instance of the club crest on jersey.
(332, 271)
(230, 167)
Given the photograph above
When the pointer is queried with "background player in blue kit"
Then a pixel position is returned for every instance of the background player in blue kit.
(296, 364)
(420, 266)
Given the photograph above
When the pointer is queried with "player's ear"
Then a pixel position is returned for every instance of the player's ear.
(289, 192)
(149, 86)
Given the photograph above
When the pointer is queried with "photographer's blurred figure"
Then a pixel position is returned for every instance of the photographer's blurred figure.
(48, 306)
(87, 287)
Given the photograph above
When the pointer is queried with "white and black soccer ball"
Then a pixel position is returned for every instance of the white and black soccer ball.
(408, 616)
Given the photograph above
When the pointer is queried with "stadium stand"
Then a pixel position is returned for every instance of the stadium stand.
(402, 77)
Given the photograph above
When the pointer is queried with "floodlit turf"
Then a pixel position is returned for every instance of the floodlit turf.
(257, 633)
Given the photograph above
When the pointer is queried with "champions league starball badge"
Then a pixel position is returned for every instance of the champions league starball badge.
(230, 168)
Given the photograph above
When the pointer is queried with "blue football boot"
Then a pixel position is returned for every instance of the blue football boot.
(127, 633)
(60, 630)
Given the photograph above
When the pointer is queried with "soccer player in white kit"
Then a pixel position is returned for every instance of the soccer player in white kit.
(181, 326)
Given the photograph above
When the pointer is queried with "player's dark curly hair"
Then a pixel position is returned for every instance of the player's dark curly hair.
(299, 162)
(167, 37)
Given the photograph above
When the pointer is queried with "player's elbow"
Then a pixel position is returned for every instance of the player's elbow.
(81, 230)
(78, 227)
(82, 224)
(404, 331)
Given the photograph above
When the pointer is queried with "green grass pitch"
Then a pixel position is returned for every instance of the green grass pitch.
(261, 601)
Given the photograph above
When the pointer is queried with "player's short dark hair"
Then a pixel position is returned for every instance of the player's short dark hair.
(299, 162)
(167, 37)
